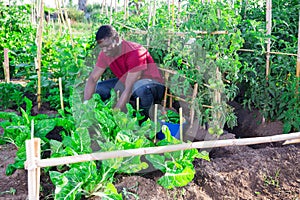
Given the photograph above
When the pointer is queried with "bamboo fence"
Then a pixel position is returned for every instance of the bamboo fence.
(34, 162)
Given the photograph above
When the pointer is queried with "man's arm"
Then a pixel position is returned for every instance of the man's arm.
(131, 78)
(92, 81)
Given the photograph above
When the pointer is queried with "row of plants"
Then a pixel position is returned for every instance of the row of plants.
(277, 94)
(112, 130)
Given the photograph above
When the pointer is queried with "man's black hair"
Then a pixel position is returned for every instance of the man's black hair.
(106, 31)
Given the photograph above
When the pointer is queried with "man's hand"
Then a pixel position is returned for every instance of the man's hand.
(131, 78)
(92, 81)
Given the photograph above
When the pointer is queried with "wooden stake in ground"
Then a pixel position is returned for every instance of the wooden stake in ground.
(39, 34)
(61, 93)
(180, 124)
(298, 53)
(269, 27)
(137, 103)
(32, 155)
(6, 66)
(155, 121)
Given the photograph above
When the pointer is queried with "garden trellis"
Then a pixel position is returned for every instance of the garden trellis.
(33, 163)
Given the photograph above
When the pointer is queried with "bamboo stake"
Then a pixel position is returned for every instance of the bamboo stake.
(166, 91)
(136, 31)
(179, 10)
(154, 13)
(58, 17)
(149, 18)
(111, 10)
(125, 9)
(102, 8)
(39, 35)
(298, 53)
(162, 149)
(192, 111)
(61, 13)
(106, 8)
(68, 22)
(269, 27)
(138, 103)
(6, 66)
(173, 13)
(33, 155)
(292, 141)
(61, 93)
(155, 121)
(271, 52)
(180, 124)
(169, 8)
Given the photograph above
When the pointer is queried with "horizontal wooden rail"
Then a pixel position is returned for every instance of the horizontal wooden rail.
(271, 52)
(162, 149)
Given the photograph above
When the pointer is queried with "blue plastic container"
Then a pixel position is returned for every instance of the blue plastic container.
(174, 129)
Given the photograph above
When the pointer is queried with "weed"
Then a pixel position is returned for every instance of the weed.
(10, 191)
(273, 181)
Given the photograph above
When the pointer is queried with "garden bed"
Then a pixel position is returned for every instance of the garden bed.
(268, 171)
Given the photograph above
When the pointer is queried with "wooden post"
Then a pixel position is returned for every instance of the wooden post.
(192, 111)
(169, 8)
(6, 66)
(58, 17)
(269, 27)
(179, 10)
(33, 155)
(298, 53)
(180, 124)
(166, 90)
(39, 35)
(61, 93)
(150, 15)
(173, 13)
(60, 10)
(155, 121)
(125, 9)
(106, 8)
(137, 103)
(154, 13)
(111, 11)
(116, 5)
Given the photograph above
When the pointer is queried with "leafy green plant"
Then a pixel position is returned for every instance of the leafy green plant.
(261, 91)
(17, 129)
(169, 116)
(113, 130)
(177, 166)
(11, 95)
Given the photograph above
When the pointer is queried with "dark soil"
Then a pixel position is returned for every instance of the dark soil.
(268, 171)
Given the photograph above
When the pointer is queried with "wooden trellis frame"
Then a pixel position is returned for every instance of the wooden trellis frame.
(33, 163)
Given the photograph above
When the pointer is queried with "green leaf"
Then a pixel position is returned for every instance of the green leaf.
(132, 164)
(177, 178)
(157, 161)
(43, 127)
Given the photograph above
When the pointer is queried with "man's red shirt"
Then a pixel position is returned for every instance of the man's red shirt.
(134, 57)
